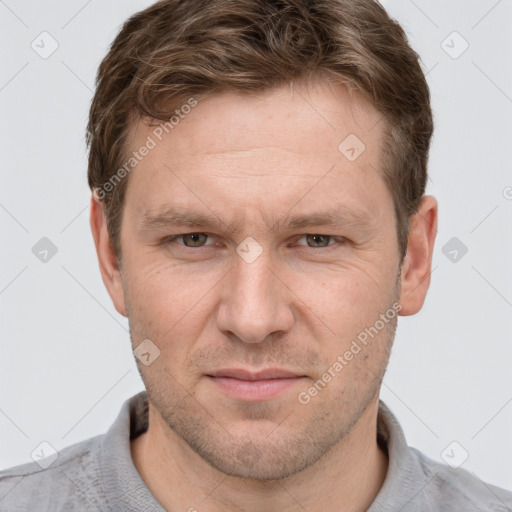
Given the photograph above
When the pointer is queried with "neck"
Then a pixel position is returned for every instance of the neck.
(347, 479)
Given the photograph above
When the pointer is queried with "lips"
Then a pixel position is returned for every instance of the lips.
(244, 385)
(240, 374)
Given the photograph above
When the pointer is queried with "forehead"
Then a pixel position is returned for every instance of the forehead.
(303, 117)
(273, 145)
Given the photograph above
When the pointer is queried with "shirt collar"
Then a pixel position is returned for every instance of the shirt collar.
(122, 486)
(405, 478)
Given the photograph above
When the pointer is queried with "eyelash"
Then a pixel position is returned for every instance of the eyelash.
(338, 240)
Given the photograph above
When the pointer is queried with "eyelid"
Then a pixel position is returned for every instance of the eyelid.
(174, 237)
(334, 239)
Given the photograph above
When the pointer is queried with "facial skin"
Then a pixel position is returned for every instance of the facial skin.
(249, 162)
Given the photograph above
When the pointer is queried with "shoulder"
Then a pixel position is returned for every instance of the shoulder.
(67, 483)
(450, 488)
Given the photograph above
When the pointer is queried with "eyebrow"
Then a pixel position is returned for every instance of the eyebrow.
(337, 218)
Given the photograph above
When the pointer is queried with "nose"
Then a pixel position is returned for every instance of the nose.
(255, 302)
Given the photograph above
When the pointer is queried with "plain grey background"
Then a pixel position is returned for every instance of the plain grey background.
(65, 361)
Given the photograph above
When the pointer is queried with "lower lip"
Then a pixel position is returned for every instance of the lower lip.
(254, 390)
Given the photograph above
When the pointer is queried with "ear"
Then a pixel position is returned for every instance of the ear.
(416, 268)
(109, 267)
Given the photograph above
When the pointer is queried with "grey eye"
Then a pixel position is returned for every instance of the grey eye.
(318, 240)
(194, 239)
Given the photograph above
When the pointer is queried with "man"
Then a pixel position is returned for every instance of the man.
(258, 172)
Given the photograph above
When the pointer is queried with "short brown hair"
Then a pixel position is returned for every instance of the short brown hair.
(178, 49)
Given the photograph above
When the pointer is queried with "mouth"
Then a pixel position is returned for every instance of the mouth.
(250, 386)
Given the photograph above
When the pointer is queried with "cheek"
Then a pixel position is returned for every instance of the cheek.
(349, 304)
(171, 288)
(168, 303)
(347, 294)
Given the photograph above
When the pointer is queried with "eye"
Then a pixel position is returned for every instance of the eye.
(316, 240)
(191, 239)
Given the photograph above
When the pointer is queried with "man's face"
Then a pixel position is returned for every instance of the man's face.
(293, 297)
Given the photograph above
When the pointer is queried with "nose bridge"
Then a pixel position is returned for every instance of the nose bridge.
(254, 282)
(255, 303)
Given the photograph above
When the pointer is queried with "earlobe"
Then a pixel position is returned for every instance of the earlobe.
(109, 268)
(417, 266)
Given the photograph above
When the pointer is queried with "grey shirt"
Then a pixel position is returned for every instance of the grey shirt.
(99, 475)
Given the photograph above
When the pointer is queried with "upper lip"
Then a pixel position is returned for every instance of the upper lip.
(269, 373)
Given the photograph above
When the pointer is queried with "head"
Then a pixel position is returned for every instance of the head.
(292, 139)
